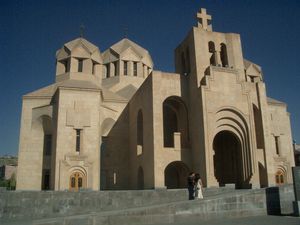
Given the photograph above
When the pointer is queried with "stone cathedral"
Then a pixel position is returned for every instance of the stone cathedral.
(110, 121)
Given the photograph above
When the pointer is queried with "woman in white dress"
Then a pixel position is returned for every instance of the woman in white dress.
(198, 187)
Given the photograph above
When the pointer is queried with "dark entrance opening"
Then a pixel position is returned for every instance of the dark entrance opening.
(228, 159)
(176, 174)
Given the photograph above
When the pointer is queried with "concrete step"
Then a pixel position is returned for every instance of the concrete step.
(168, 213)
(140, 208)
(29, 204)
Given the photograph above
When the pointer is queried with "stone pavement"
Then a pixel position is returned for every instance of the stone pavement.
(253, 220)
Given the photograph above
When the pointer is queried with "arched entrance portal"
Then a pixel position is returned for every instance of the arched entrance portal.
(77, 181)
(228, 159)
(176, 174)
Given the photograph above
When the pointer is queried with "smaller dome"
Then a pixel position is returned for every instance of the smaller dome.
(77, 57)
(80, 48)
(127, 58)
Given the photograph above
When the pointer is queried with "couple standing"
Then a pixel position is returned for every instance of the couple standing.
(194, 186)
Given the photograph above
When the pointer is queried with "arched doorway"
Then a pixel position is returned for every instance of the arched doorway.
(176, 174)
(228, 159)
(140, 179)
(77, 181)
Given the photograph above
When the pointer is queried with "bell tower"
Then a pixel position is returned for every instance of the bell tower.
(204, 47)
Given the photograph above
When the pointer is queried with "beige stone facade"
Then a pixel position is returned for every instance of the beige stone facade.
(112, 122)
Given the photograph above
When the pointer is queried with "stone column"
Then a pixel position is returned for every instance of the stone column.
(177, 140)
(140, 69)
(73, 65)
(218, 58)
(121, 68)
(111, 70)
(130, 68)
(145, 71)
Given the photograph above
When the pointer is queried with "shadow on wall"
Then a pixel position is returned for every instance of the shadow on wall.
(279, 205)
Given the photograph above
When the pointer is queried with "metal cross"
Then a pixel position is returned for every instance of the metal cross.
(204, 19)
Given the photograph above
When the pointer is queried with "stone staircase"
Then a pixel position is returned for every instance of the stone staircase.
(157, 207)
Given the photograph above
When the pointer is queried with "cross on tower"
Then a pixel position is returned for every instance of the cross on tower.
(204, 20)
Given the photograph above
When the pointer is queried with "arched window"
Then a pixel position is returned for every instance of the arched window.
(175, 119)
(212, 50)
(140, 131)
(224, 57)
(279, 177)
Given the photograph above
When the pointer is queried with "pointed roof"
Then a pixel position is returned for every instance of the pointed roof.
(248, 64)
(74, 43)
(48, 92)
(125, 43)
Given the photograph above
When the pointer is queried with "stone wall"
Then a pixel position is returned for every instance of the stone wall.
(21, 205)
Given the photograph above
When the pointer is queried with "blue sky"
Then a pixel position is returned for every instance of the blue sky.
(31, 32)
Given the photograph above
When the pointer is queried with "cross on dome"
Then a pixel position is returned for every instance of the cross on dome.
(204, 20)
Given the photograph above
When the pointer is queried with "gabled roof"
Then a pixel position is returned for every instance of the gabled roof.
(89, 46)
(43, 92)
(111, 96)
(121, 48)
(249, 64)
(48, 92)
(274, 101)
(125, 43)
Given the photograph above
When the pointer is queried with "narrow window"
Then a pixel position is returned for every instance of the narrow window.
(134, 68)
(46, 179)
(73, 182)
(224, 57)
(94, 68)
(78, 132)
(277, 144)
(116, 68)
(212, 50)
(66, 65)
(125, 68)
(107, 70)
(47, 144)
(80, 182)
(80, 65)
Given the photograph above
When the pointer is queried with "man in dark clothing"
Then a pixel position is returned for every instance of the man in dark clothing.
(191, 185)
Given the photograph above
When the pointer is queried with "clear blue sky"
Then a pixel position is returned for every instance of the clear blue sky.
(31, 32)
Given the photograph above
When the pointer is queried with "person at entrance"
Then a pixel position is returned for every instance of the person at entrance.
(198, 187)
(191, 185)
